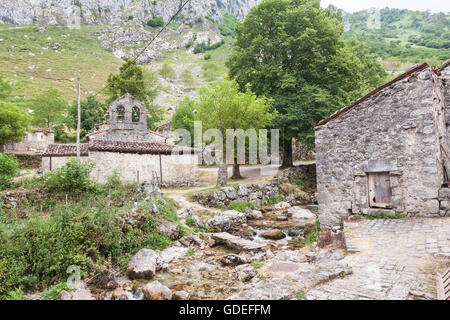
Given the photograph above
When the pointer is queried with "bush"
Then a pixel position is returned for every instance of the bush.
(167, 72)
(72, 177)
(155, 22)
(37, 252)
(9, 168)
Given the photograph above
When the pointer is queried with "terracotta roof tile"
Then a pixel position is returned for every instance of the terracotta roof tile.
(135, 147)
(65, 150)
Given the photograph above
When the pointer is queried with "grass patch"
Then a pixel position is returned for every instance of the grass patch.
(272, 201)
(27, 57)
(257, 264)
(300, 295)
(241, 206)
(381, 216)
(190, 252)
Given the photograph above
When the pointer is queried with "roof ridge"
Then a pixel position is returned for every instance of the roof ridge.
(338, 113)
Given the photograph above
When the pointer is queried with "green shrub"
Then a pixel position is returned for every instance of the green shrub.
(72, 177)
(167, 72)
(9, 168)
(155, 22)
(241, 206)
(39, 250)
(207, 56)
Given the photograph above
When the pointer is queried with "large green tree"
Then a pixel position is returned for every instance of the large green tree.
(222, 106)
(92, 112)
(13, 123)
(292, 51)
(143, 85)
(48, 108)
(184, 116)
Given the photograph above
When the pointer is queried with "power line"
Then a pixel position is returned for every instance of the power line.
(155, 37)
(160, 31)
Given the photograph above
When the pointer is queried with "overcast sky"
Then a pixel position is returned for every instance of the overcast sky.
(356, 5)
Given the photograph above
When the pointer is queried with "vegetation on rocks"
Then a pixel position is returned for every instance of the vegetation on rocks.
(39, 243)
(9, 168)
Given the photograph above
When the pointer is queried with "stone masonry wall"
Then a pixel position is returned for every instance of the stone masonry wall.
(398, 129)
(255, 193)
(178, 171)
(53, 163)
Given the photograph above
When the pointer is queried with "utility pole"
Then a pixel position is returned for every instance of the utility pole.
(79, 117)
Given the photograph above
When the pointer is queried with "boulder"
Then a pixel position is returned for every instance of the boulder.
(172, 230)
(220, 223)
(82, 294)
(230, 192)
(180, 295)
(184, 212)
(245, 272)
(144, 264)
(282, 206)
(236, 216)
(300, 213)
(232, 260)
(156, 291)
(253, 214)
(243, 190)
(120, 294)
(64, 295)
(274, 234)
(198, 222)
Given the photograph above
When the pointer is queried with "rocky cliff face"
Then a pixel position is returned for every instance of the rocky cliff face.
(62, 12)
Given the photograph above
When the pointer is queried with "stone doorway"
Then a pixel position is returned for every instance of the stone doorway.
(380, 192)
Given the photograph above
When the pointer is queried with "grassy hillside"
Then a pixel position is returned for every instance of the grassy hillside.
(403, 37)
(40, 60)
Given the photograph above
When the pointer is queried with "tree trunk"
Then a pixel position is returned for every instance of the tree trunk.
(236, 171)
(222, 175)
(287, 153)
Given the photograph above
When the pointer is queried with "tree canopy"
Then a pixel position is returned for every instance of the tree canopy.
(13, 123)
(222, 106)
(292, 52)
(92, 113)
(48, 108)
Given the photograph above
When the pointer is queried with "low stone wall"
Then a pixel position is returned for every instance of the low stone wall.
(306, 172)
(29, 161)
(301, 152)
(15, 198)
(255, 193)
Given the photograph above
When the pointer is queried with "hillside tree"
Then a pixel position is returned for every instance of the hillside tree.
(48, 108)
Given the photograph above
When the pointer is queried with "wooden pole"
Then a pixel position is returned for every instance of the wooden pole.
(79, 116)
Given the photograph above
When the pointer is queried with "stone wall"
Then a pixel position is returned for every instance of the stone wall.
(179, 170)
(29, 161)
(50, 163)
(16, 198)
(304, 172)
(301, 153)
(32, 141)
(446, 83)
(255, 193)
(395, 130)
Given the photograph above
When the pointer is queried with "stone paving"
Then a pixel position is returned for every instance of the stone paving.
(391, 259)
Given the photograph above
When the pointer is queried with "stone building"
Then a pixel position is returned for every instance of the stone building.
(388, 151)
(36, 140)
(125, 145)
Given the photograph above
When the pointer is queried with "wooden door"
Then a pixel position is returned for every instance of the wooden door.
(380, 191)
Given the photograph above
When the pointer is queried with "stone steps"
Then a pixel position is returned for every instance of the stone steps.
(237, 243)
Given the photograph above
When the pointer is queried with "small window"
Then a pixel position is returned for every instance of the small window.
(120, 114)
(135, 114)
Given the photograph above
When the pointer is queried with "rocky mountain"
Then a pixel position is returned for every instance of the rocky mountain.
(116, 12)
(345, 17)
